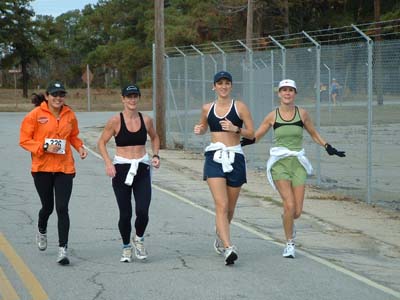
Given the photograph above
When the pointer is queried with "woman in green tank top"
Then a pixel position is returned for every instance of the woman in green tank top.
(287, 167)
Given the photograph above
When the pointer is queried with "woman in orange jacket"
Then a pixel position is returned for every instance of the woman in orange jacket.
(48, 132)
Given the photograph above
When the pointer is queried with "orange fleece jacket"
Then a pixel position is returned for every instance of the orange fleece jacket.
(39, 124)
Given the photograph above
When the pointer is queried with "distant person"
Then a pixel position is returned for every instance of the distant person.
(335, 88)
(225, 165)
(48, 132)
(130, 169)
(287, 166)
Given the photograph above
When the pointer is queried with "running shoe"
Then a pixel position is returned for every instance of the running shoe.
(140, 250)
(230, 254)
(126, 254)
(218, 245)
(41, 240)
(62, 257)
(289, 251)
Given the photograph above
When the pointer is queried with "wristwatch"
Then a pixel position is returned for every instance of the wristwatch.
(45, 146)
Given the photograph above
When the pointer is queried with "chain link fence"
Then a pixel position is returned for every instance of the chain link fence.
(360, 64)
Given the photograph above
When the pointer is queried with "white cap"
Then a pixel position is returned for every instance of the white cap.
(287, 82)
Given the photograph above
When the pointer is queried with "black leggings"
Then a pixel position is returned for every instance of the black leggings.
(48, 185)
(141, 188)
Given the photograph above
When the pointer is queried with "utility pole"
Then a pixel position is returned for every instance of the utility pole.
(378, 53)
(286, 16)
(249, 25)
(159, 74)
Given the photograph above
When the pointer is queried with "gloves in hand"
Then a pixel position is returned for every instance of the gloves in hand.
(245, 142)
(333, 151)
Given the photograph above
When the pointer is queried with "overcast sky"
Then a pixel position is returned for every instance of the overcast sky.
(57, 7)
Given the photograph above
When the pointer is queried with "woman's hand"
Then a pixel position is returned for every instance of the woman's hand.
(198, 129)
(53, 148)
(82, 152)
(155, 161)
(228, 126)
(110, 170)
(334, 151)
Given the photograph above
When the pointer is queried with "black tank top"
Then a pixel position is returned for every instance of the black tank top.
(127, 138)
(213, 120)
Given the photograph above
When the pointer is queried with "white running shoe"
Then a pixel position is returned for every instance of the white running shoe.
(62, 257)
(218, 245)
(41, 241)
(140, 250)
(289, 251)
(230, 254)
(126, 254)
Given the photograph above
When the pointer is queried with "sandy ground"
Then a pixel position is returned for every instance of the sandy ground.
(346, 232)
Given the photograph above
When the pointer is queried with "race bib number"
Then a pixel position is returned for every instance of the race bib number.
(58, 142)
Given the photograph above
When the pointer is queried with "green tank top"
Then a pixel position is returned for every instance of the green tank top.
(288, 133)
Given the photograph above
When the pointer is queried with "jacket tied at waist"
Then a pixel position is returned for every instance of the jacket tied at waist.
(224, 155)
(277, 153)
(134, 165)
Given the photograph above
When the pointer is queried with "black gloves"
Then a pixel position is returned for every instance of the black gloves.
(333, 151)
(245, 142)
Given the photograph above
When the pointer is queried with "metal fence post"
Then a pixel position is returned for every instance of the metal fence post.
(154, 83)
(168, 110)
(251, 81)
(203, 79)
(329, 85)
(251, 75)
(223, 55)
(283, 52)
(215, 64)
(318, 108)
(370, 45)
(185, 127)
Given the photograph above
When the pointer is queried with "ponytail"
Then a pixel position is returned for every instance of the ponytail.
(37, 99)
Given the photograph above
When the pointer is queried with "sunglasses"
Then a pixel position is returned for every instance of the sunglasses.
(58, 94)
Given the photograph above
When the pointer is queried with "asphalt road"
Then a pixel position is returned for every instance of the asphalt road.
(181, 265)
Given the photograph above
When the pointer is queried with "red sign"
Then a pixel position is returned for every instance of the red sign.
(85, 77)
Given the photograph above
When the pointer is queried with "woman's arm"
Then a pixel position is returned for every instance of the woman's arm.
(248, 130)
(202, 126)
(155, 141)
(265, 126)
(108, 132)
(309, 126)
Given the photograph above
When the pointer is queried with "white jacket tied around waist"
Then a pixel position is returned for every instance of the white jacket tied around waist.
(134, 165)
(224, 155)
(277, 153)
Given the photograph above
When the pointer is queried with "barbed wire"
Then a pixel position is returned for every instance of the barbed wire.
(339, 35)
(227, 9)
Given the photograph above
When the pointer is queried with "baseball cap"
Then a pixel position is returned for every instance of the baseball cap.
(288, 83)
(222, 74)
(55, 86)
(130, 89)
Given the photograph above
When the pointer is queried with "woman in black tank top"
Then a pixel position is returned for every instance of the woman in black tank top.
(130, 169)
(225, 117)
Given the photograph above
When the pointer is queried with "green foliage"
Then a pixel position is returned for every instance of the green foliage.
(115, 36)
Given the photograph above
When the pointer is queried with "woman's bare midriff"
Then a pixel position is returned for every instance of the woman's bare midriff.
(131, 152)
(227, 138)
